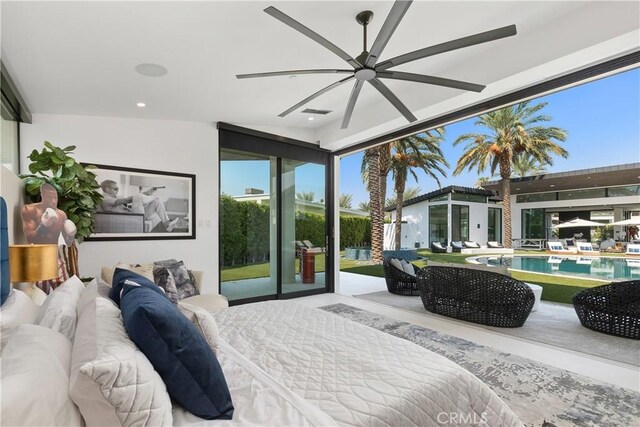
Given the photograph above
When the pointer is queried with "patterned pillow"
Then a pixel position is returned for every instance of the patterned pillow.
(163, 278)
(183, 278)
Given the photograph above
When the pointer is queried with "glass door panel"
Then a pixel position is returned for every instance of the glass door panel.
(304, 226)
(248, 225)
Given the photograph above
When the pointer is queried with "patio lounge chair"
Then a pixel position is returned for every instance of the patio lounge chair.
(400, 276)
(437, 248)
(633, 249)
(612, 309)
(476, 296)
(471, 244)
(457, 246)
(586, 248)
(557, 248)
(494, 245)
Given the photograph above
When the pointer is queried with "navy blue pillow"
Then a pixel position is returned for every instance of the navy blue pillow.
(122, 274)
(177, 351)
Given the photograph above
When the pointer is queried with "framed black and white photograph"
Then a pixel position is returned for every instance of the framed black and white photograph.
(142, 204)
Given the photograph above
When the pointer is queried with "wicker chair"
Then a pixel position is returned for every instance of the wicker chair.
(436, 247)
(475, 296)
(399, 282)
(612, 309)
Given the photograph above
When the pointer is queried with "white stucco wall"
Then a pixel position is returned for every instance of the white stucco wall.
(187, 147)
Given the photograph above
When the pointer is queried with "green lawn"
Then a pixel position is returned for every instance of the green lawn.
(555, 287)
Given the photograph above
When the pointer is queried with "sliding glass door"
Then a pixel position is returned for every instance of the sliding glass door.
(273, 220)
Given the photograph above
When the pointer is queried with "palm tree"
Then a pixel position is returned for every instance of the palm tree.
(514, 130)
(345, 201)
(307, 196)
(525, 164)
(372, 157)
(421, 151)
(364, 206)
(409, 193)
(384, 163)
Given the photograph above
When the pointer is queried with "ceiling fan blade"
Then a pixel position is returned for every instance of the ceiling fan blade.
(315, 95)
(352, 103)
(293, 73)
(487, 36)
(394, 17)
(393, 99)
(432, 80)
(286, 19)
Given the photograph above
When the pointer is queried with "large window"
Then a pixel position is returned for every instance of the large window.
(438, 223)
(459, 223)
(533, 224)
(13, 111)
(494, 227)
(535, 197)
(591, 193)
(629, 190)
(462, 197)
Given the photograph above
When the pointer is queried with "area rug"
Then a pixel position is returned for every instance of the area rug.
(553, 324)
(539, 394)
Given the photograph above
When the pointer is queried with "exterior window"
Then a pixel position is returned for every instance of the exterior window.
(629, 190)
(535, 197)
(440, 198)
(459, 223)
(438, 223)
(592, 193)
(461, 197)
(533, 224)
(494, 227)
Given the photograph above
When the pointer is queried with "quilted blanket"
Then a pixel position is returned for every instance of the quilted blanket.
(289, 364)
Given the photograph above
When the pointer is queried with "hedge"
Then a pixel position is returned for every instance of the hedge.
(245, 234)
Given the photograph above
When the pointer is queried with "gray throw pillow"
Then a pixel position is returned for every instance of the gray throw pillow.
(184, 281)
(163, 278)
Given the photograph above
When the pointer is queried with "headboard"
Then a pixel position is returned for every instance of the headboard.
(4, 252)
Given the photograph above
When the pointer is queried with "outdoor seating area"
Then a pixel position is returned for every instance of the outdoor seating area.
(558, 248)
(436, 247)
(476, 296)
(612, 309)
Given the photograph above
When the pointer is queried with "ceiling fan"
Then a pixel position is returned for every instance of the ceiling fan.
(366, 67)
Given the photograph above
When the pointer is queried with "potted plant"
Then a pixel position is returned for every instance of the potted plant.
(77, 191)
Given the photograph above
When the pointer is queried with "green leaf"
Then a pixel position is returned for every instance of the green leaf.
(70, 162)
(69, 148)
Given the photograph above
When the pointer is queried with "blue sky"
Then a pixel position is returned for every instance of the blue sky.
(602, 119)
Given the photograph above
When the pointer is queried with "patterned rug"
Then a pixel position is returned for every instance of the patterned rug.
(538, 393)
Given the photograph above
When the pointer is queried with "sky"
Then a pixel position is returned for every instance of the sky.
(602, 120)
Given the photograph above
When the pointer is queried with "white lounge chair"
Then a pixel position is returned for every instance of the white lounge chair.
(586, 248)
(633, 249)
(557, 247)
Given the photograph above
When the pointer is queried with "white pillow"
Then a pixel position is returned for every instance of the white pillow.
(58, 312)
(112, 382)
(17, 309)
(35, 379)
(408, 268)
(396, 263)
(204, 322)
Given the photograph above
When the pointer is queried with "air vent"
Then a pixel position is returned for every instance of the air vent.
(312, 111)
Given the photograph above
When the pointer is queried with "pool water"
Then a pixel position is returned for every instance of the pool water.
(586, 266)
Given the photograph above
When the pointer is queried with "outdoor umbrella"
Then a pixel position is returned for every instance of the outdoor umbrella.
(634, 220)
(577, 222)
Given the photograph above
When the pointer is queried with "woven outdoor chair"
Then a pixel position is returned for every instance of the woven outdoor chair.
(399, 282)
(476, 296)
(612, 309)
(436, 247)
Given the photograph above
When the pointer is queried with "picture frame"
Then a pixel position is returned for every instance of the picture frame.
(143, 204)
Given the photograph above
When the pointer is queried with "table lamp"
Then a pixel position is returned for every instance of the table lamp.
(31, 263)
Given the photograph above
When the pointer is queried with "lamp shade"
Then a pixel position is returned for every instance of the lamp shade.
(31, 263)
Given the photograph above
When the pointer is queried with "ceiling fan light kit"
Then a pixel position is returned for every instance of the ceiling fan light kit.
(366, 67)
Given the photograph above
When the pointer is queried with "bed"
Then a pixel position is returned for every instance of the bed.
(285, 364)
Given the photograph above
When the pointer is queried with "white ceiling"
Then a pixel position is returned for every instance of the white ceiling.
(79, 57)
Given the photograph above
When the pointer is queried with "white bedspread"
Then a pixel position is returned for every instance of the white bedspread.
(288, 364)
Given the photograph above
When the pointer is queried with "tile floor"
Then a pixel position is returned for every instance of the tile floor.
(601, 369)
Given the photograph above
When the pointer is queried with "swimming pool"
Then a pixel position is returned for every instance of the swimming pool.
(584, 266)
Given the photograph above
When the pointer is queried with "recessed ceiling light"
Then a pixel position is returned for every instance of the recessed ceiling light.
(588, 177)
(310, 118)
(151, 70)
(517, 188)
(141, 104)
(552, 185)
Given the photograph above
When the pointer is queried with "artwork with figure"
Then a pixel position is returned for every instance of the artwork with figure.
(44, 223)
(143, 204)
